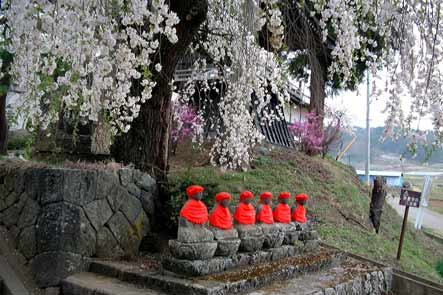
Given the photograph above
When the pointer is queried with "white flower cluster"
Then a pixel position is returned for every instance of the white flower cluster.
(346, 20)
(90, 57)
(274, 22)
(249, 76)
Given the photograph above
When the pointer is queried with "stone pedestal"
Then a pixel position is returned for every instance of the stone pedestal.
(192, 251)
(310, 239)
(251, 237)
(302, 226)
(273, 237)
(194, 242)
(290, 232)
(227, 241)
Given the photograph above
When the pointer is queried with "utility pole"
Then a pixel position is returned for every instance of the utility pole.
(368, 132)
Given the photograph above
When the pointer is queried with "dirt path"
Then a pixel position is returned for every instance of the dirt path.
(432, 220)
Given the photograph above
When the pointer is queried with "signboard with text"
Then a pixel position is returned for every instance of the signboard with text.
(410, 198)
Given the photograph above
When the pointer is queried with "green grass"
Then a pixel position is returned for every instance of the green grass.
(338, 205)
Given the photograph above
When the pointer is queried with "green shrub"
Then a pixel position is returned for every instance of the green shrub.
(439, 267)
(177, 194)
(18, 140)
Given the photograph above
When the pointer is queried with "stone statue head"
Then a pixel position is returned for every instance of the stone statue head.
(301, 202)
(283, 197)
(195, 192)
(266, 201)
(266, 198)
(246, 197)
(283, 200)
(223, 198)
(197, 196)
(301, 199)
(246, 200)
(225, 203)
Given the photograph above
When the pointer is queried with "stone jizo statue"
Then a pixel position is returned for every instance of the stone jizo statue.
(251, 236)
(222, 226)
(273, 237)
(282, 212)
(194, 240)
(245, 212)
(194, 210)
(264, 210)
(221, 216)
(299, 214)
(282, 218)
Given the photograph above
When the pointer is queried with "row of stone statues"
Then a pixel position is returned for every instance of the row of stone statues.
(249, 229)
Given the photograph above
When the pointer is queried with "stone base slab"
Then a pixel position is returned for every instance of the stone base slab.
(220, 264)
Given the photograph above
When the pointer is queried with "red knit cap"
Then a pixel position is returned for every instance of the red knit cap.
(284, 195)
(266, 195)
(222, 196)
(246, 194)
(194, 189)
(301, 197)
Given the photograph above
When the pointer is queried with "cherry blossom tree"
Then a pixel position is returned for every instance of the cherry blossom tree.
(113, 62)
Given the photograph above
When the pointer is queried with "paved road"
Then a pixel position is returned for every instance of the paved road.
(432, 220)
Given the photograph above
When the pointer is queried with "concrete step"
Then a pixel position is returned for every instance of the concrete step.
(87, 283)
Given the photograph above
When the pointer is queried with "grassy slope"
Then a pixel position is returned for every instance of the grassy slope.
(339, 204)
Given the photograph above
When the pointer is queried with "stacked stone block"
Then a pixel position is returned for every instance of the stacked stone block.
(62, 217)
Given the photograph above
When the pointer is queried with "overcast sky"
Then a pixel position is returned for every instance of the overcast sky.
(355, 103)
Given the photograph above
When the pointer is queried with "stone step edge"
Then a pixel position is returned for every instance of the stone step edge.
(77, 285)
(154, 280)
(175, 285)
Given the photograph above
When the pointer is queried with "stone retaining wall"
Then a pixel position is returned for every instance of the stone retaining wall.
(61, 217)
(374, 283)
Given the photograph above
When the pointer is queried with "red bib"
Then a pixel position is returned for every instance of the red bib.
(221, 217)
(282, 213)
(245, 214)
(265, 214)
(195, 211)
(299, 214)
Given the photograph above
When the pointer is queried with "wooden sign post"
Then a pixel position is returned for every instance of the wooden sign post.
(409, 199)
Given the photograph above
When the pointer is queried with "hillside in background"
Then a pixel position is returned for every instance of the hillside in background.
(385, 153)
(338, 204)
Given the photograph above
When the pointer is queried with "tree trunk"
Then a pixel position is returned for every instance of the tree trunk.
(317, 85)
(317, 99)
(147, 142)
(377, 202)
(3, 126)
